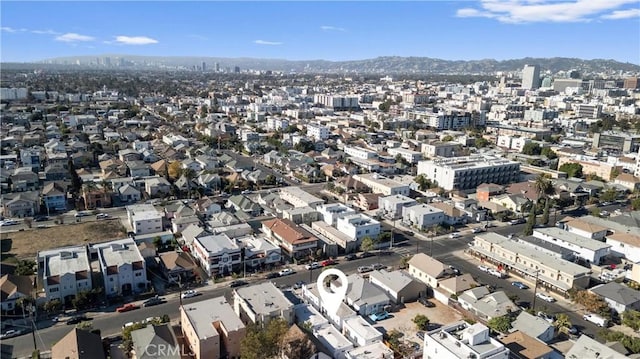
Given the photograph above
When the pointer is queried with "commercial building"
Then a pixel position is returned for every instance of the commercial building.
(65, 272)
(531, 77)
(217, 254)
(123, 267)
(469, 172)
(262, 302)
(462, 340)
(441, 149)
(616, 141)
(212, 329)
(383, 185)
(588, 110)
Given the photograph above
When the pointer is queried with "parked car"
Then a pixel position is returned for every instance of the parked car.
(483, 268)
(520, 285)
(102, 216)
(82, 214)
(379, 316)
(40, 218)
(328, 262)
(546, 297)
(496, 273)
(237, 283)
(8, 222)
(312, 265)
(517, 221)
(286, 271)
(298, 284)
(350, 257)
(455, 235)
(548, 317)
(574, 330)
(424, 301)
(126, 308)
(596, 319)
(272, 275)
(76, 319)
(409, 233)
(365, 269)
(378, 266)
(367, 255)
(152, 301)
(455, 270)
(10, 333)
(477, 230)
(189, 294)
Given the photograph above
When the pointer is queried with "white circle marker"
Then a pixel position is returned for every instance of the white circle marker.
(329, 299)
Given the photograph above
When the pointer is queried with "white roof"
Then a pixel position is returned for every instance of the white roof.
(571, 238)
(203, 314)
(117, 253)
(65, 260)
(264, 298)
(217, 243)
(362, 328)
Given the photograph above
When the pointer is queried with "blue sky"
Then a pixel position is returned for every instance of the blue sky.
(335, 30)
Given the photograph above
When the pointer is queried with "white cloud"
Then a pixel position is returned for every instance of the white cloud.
(135, 40)
(528, 11)
(263, 42)
(11, 29)
(622, 14)
(332, 28)
(45, 32)
(73, 37)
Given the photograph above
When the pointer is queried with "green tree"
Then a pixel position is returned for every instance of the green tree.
(545, 189)
(270, 180)
(157, 242)
(421, 322)
(367, 244)
(500, 324)
(447, 138)
(635, 204)
(571, 169)
(531, 148)
(52, 306)
(548, 153)
(482, 142)
(562, 323)
(263, 343)
(423, 182)
(631, 318)
(385, 106)
(76, 181)
(609, 195)
(25, 267)
(531, 222)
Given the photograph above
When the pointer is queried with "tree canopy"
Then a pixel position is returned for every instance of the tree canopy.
(531, 148)
(500, 324)
(571, 169)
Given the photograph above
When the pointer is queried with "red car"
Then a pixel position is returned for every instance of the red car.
(126, 308)
(328, 262)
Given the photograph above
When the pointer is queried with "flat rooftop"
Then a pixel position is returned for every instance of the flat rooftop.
(571, 238)
(362, 328)
(117, 253)
(453, 338)
(203, 314)
(374, 177)
(217, 243)
(66, 260)
(264, 298)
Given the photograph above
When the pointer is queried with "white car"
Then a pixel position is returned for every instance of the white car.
(313, 265)
(483, 268)
(454, 235)
(8, 222)
(286, 271)
(546, 297)
(189, 294)
(102, 216)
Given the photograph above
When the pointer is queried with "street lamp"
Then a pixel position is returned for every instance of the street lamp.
(535, 290)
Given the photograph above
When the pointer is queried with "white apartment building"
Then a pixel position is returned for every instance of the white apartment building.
(277, 124)
(217, 253)
(512, 142)
(408, 155)
(360, 332)
(469, 172)
(123, 267)
(586, 110)
(441, 149)
(144, 218)
(299, 198)
(422, 216)
(583, 247)
(358, 226)
(65, 272)
(175, 140)
(383, 185)
(391, 206)
(317, 132)
(331, 212)
(361, 153)
(338, 103)
(462, 340)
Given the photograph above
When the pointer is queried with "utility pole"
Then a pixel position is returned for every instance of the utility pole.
(535, 289)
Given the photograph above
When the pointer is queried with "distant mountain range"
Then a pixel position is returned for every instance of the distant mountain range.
(382, 65)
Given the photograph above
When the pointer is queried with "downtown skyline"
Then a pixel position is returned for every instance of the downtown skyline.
(336, 31)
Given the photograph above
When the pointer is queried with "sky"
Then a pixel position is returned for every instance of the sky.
(329, 30)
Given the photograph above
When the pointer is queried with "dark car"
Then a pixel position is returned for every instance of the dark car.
(40, 218)
(426, 302)
(350, 257)
(76, 319)
(273, 275)
(152, 301)
(237, 283)
(379, 266)
(409, 233)
(366, 255)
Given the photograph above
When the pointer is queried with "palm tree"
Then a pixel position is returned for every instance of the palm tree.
(545, 189)
(562, 323)
(188, 174)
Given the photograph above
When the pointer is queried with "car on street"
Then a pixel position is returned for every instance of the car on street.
(477, 230)
(76, 319)
(189, 294)
(513, 222)
(237, 283)
(367, 255)
(605, 214)
(40, 218)
(409, 233)
(379, 316)
(365, 269)
(424, 301)
(496, 273)
(378, 266)
(272, 275)
(483, 268)
(574, 330)
(519, 285)
(596, 319)
(127, 308)
(152, 301)
(546, 297)
(350, 257)
(102, 216)
(10, 333)
(286, 271)
(328, 262)
(455, 270)
(82, 214)
(298, 284)
(548, 317)
(455, 235)
(312, 265)
(8, 222)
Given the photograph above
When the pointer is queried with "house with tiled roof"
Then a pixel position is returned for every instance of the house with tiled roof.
(522, 345)
(586, 229)
(78, 344)
(627, 181)
(292, 238)
(14, 287)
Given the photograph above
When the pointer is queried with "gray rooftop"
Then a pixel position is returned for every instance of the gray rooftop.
(618, 293)
(396, 280)
(203, 314)
(117, 253)
(218, 243)
(66, 260)
(455, 337)
(572, 238)
(264, 298)
(529, 324)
